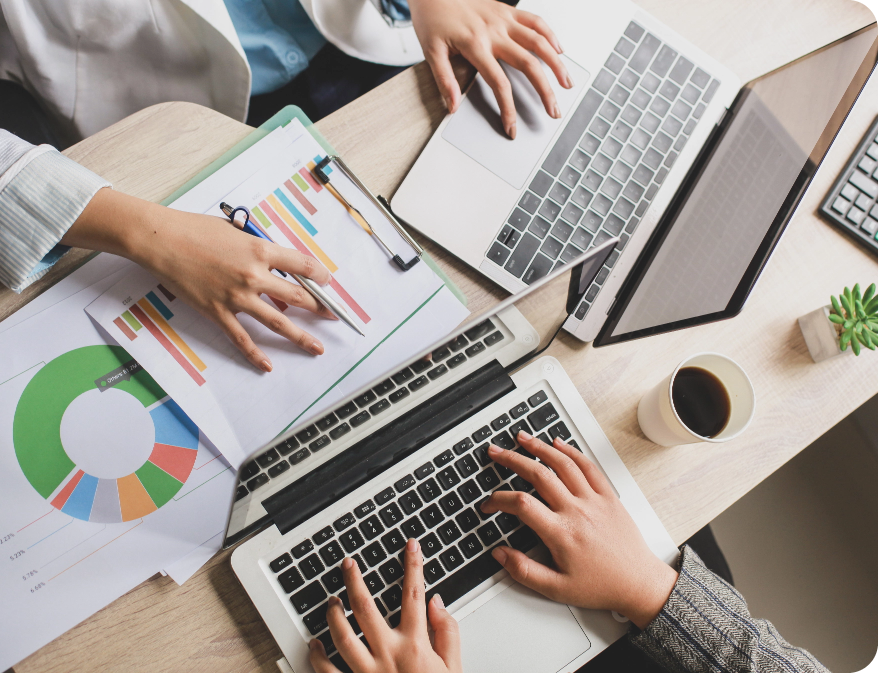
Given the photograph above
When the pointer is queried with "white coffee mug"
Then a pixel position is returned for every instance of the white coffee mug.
(660, 421)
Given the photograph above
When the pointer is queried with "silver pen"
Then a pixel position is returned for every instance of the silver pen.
(309, 285)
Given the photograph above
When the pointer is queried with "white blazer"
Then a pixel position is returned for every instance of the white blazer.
(94, 62)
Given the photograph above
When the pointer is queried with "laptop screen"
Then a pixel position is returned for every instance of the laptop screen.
(715, 237)
(416, 400)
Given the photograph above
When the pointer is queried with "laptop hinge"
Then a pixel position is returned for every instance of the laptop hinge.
(387, 446)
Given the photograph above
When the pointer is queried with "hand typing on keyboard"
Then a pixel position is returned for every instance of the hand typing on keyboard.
(601, 560)
(405, 649)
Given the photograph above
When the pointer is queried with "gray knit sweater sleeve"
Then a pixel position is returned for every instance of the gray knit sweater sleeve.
(706, 627)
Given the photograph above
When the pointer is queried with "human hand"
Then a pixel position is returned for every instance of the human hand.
(601, 560)
(485, 32)
(405, 649)
(215, 268)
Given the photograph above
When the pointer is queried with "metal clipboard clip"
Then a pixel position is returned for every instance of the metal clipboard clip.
(382, 206)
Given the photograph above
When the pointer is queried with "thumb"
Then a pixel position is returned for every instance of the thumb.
(446, 640)
(440, 63)
(530, 573)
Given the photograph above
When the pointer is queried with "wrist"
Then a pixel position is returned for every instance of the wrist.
(650, 594)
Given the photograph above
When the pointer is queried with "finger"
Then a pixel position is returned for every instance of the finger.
(538, 24)
(296, 295)
(590, 471)
(363, 605)
(531, 511)
(319, 661)
(539, 45)
(543, 479)
(490, 69)
(413, 619)
(242, 341)
(278, 323)
(293, 261)
(440, 63)
(565, 467)
(523, 60)
(446, 638)
(351, 648)
(532, 574)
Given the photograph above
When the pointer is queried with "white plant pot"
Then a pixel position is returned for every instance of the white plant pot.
(820, 335)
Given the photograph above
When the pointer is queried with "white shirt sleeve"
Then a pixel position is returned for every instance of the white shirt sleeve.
(42, 193)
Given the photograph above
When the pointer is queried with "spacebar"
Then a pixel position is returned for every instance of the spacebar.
(466, 579)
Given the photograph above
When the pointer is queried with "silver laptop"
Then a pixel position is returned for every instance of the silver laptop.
(407, 457)
(658, 145)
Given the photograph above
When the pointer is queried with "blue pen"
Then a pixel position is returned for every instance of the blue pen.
(309, 285)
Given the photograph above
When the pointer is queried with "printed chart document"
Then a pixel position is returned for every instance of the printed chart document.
(104, 480)
(237, 406)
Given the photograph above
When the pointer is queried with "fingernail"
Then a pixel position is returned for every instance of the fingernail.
(266, 365)
(495, 450)
(524, 435)
(569, 80)
(411, 545)
(500, 554)
(482, 505)
(347, 564)
(556, 112)
(316, 348)
(558, 47)
(335, 600)
(510, 131)
(439, 601)
(447, 102)
(314, 643)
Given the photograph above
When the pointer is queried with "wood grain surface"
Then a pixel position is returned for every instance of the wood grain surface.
(209, 624)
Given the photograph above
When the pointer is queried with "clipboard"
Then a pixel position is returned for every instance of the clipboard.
(283, 117)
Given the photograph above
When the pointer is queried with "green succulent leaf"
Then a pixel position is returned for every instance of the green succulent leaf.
(848, 306)
(837, 319)
(848, 324)
(861, 312)
(836, 306)
(872, 305)
(856, 346)
(858, 328)
(845, 339)
(870, 292)
(856, 292)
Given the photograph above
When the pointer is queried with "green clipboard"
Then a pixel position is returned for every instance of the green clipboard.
(283, 117)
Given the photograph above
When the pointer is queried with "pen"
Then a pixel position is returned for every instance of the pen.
(309, 285)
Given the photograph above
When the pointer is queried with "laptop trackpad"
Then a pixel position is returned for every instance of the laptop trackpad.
(519, 630)
(475, 129)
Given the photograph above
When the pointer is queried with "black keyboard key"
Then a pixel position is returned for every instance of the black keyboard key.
(326, 639)
(397, 395)
(520, 484)
(467, 520)
(307, 598)
(373, 582)
(559, 430)
(432, 516)
(507, 522)
(433, 572)
(436, 372)
(505, 472)
(473, 350)
(287, 447)
(524, 539)
(327, 422)
(443, 458)
(343, 522)
(250, 469)
(576, 126)
(425, 470)
(466, 466)
(488, 479)
(331, 553)
(402, 376)
(360, 418)
(340, 663)
(351, 540)
(258, 481)
(346, 410)
(371, 528)
(491, 339)
(515, 428)
(429, 490)
(422, 365)
(470, 546)
(503, 440)
(311, 566)
(392, 597)
(523, 254)
(344, 598)
(500, 422)
(393, 541)
(316, 620)
(365, 399)
(410, 502)
(542, 417)
(537, 399)
(498, 253)
(379, 406)
(299, 456)
(362, 510)
(384, 496)
(463, 446)
(481, 434)
(430, 545)
(404, 484)
(481, 454)
(466, 579)
(418, 383)
(360, 564)
(390, 515)
(280, 563)
(451, 559)
(320, 443)
(540, 184)
(333, 580)
(391, 571)
(413, 528)
(460, 358)
(489, 534)
(319, 538)
(519, 219)
(304, 547)
(448, 478)
(469, 491)
(268, 458)
(448, 532)
(291, 580)
(450, 503)
(384, 387)
(374, 554)
(484, 516)
(340, 431)
(241, 492)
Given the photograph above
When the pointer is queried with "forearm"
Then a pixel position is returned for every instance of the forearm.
(705, 626)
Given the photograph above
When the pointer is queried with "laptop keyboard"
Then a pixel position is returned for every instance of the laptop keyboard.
(608, 163)
(367, 408)
(438, 504)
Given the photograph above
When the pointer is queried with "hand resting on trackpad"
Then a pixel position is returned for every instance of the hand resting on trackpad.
(476, 129)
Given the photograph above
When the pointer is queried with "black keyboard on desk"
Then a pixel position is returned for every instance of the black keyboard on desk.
(277, 460)
(438, 504)
(609, 161)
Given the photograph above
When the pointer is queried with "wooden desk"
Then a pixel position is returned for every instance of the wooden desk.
(209, 623)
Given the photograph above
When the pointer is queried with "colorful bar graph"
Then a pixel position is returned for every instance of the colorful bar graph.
(316, 186)
(300, 182)
(172, 334)
(127, 331)
(160, 307)
(305, 203)
(165, 291)
(132, 323)
(295, 212)
(284, 219)
(260, 217)
(168, 346)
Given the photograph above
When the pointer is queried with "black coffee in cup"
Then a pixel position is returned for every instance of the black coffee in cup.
(702, 401)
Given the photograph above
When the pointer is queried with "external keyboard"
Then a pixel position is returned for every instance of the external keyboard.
(366, 408)
(608, 163)
(851, 203)
(436, 503)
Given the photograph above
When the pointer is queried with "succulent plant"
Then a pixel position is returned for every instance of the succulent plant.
(857, 318)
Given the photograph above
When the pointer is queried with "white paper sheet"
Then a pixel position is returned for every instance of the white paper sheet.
(237, 406)
(57, 567)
